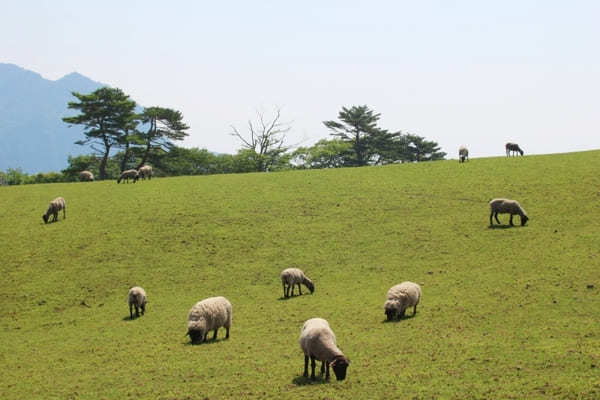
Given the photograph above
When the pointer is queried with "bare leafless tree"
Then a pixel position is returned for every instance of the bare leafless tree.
(265, 139)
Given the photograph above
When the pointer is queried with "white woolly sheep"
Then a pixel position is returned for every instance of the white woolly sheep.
(317, 341)
(400, 297)
(145, 172)
(208, 315)
(295, 276)
(137, 299)
(512, 148)
(130, 173)
(55, 206)
(463, 154)
(506, 206)
(86, 176)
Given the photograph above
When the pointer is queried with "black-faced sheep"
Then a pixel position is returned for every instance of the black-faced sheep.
(317, 342)
(55, 206)
(209, 315)
(137, 298)
(400, 297)
(130, 173)
(512, 148)
(463, 154)
(506, 206)
(294, 276)
(86, 176)
(145, 172)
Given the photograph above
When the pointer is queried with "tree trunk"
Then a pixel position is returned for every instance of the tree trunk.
(103, 162)
(125, 157)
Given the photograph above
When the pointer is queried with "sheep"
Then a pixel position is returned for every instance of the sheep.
(86, 176)
(317, 342)
(295, 276)
(506, 206)
(55, 206)
(463, 153)
(130, 173)
(137, 299)
(400, 297)
(145, 171)
(512, 147)
(207, 315)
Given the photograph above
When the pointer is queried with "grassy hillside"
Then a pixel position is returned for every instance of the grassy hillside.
(505, 313)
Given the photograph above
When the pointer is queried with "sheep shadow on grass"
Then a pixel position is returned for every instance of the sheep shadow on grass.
(397, 320)
(301, 380)
(507, 226)
(208, 342)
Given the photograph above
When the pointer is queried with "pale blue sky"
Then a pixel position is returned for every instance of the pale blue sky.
(478, 73)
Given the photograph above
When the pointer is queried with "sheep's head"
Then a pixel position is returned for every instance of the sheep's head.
(45, 218)
(524, 220)
(390, 308)
(196, 331)
(310, 285)
(339, 365)
(196, 335)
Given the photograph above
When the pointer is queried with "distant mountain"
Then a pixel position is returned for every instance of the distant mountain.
(32, 133)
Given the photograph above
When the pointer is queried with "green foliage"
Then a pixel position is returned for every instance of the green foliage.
(323, 154)
(164, 126)
(371, 145)
(357, 127)
(107, 115)
(506, 313)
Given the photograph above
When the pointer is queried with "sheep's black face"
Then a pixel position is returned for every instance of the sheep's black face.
(45, 218)
(390, 314)
(196, 336)
(339, 368)
(310, 287)
(524, 220)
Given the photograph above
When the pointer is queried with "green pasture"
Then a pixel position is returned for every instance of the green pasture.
(506, 313)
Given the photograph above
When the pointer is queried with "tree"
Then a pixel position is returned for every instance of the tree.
(104, 113)
(165, 126)
(419, 149)
(264, 146)
(358, 127)
(323, 154)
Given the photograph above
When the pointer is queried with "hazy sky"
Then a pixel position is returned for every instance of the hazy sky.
(478, 73)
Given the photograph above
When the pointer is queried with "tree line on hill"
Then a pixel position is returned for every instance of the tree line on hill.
(111, 122)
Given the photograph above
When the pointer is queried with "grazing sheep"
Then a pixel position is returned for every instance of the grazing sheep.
(463, 154)
(400, 297)
(295, 276)
(137, 299)
(145, 172)
(55, 206)
(512, 148)
(86, 176)
(317, 341)
(506, 206)
(207, 315)
(130, 173)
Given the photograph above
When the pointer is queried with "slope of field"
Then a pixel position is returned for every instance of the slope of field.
(505, 313)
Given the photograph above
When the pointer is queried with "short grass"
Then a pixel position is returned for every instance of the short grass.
(506, 313)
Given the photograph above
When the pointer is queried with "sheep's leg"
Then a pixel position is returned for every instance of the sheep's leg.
(491, 216)
(65, 213)
(401, 314)
(215, 335)
(323, 368)
(226, 332)
(415, 310)
(496, 215)
(300, 289)
(510, 221)
(293, 286)
(131, 311)
(284, 293)
(327, 370)
(143, 309)
(204, 336)
(306, 366)
(312, 366)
